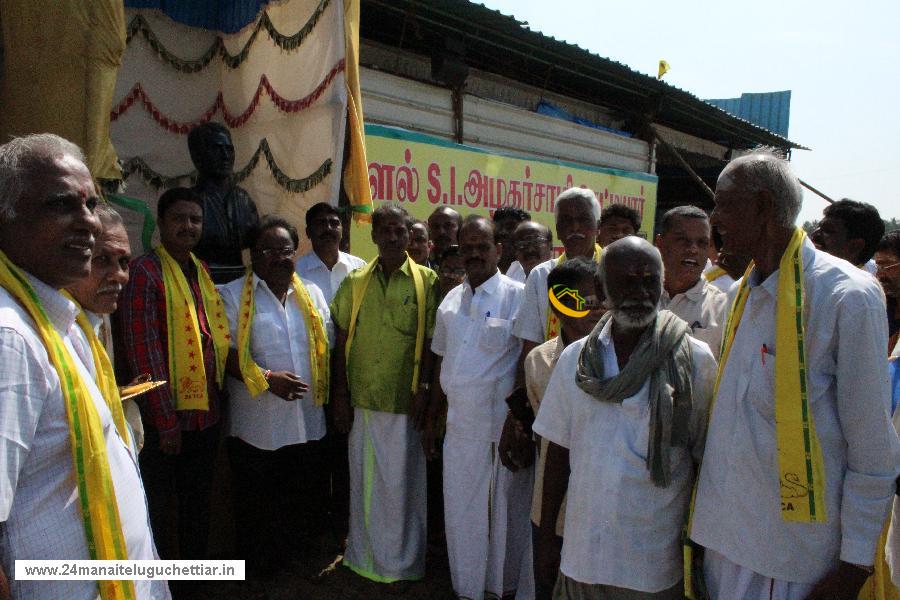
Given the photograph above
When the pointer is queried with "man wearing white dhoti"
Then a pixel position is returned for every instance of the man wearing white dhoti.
(801, 458)
(485, 505)
(384, 317)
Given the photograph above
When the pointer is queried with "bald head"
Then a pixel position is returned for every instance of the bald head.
(632, 273)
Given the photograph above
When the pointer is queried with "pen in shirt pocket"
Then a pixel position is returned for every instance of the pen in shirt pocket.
(763, 351)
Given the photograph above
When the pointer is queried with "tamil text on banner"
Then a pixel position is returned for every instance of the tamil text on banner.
(421, 172)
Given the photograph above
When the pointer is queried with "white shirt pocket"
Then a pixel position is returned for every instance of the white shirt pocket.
(494, 334)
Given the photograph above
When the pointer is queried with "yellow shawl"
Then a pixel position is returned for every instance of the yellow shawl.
(186, 369)
(96, 494)
(318, 340)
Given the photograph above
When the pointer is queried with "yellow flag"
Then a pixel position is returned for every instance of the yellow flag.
(663, 69)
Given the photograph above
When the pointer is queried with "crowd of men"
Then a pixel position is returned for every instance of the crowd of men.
(706, 415)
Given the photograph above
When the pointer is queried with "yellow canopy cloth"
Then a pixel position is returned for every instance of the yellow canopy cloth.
(96, 494)
(552, 328)
(359, 291)
(318, 340)
(714, 273)
(60, 67)
(186, 372)
(801, 469)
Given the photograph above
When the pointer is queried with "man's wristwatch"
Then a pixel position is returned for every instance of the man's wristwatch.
(424, 387)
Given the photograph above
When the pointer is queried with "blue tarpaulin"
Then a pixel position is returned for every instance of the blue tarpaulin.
(551, 110)
(218, 15)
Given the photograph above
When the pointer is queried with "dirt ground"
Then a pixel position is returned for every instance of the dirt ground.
(317, 575)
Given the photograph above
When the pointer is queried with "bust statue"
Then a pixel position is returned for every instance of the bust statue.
(228, 210)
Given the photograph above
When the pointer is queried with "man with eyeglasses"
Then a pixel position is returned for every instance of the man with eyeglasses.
(277, 386)
(533, 244)
(506, 219)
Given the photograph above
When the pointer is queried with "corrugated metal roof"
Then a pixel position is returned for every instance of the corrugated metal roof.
(769, 110)
(500, 44)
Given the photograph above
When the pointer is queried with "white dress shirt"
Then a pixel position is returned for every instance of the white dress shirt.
(311, 268)
(101, 326)
(279, 341)
(738, 502)
(705, 308)
(723, 281)
(516, 272)
(531, 321)
(473, 334)
(39, 503)
(620, 528)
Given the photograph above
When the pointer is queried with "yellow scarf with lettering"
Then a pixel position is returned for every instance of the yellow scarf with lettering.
(187, 375)
(315, 327)
(358, 289)
(801, 468)
(96, 494)
(552, 329)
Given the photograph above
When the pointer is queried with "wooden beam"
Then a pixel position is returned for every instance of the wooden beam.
(815, 191)
(684, 164)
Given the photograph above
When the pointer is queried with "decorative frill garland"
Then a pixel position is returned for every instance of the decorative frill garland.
(157, 180)
(232, 61)
(289, 106)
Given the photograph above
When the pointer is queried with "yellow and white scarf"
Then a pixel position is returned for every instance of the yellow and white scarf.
(96, 493)
(553, 326)
(318, 340)
(714, 273)
(358, 289)
(187, 374)
(801, 468)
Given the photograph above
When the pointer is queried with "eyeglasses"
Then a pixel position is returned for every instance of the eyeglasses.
(271, 253)
(882, 269)
(530, 243)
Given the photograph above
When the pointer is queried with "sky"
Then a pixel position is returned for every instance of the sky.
(841, 61)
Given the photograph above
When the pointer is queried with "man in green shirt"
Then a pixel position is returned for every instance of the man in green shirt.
(384, 317)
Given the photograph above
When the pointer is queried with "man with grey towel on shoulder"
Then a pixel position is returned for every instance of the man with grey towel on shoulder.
(625, 415)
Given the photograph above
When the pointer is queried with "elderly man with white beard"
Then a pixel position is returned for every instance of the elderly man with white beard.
(625, 415)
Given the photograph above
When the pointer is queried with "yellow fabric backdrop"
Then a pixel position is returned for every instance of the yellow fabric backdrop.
(60, 63)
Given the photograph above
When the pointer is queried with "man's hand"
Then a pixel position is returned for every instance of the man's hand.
(434, 430)
(418, 410)
(843, 583)
(286, 385)
(546, 565)
(170, 442)
(516, 447)
(343, 412)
